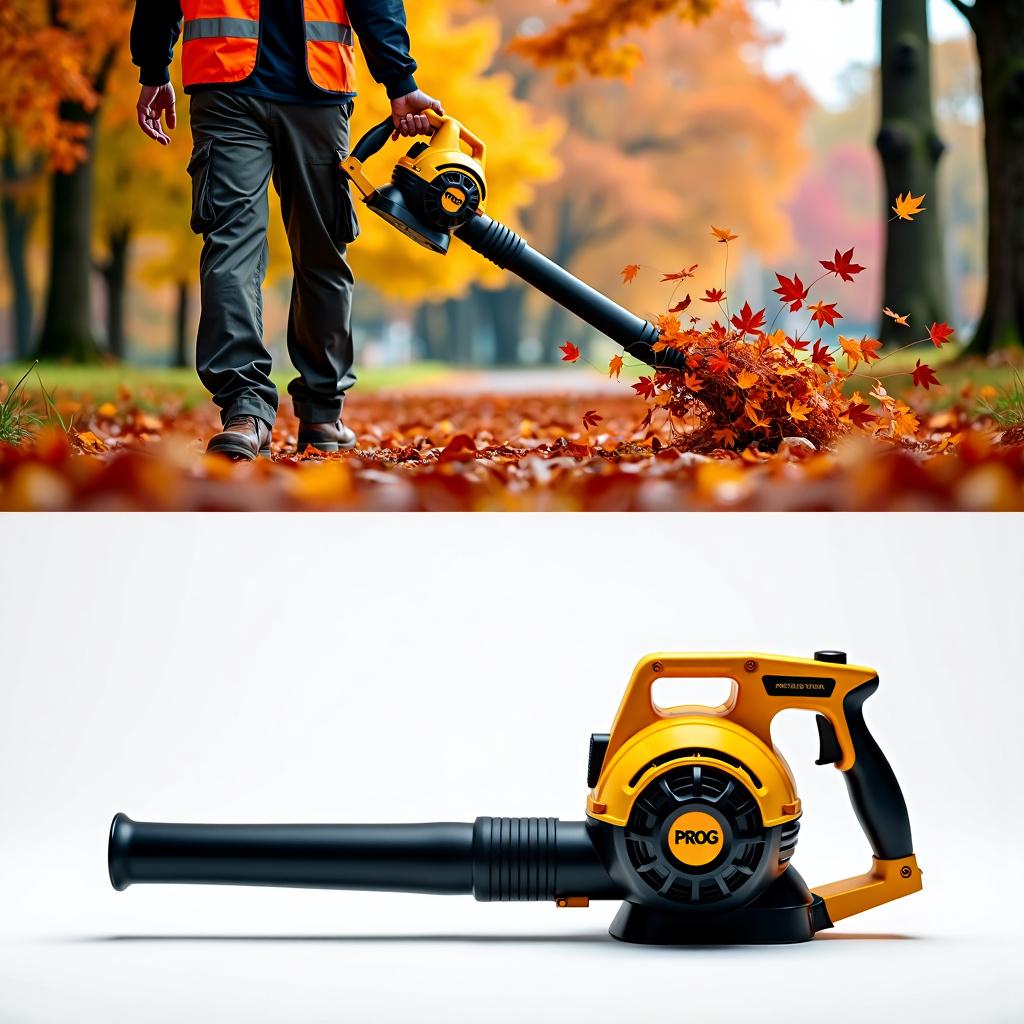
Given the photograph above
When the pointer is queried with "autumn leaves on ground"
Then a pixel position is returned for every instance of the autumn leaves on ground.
(746, 417)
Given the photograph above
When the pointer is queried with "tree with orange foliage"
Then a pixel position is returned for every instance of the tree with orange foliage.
(637, 159)
(54, 60)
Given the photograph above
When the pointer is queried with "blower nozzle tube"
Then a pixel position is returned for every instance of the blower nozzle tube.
(493, 858)
(506, 249)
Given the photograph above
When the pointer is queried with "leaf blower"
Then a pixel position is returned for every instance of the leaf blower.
(691, 820)
(438, 189)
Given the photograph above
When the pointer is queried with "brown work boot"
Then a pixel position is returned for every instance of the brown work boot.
(242, 439)
(326, 437)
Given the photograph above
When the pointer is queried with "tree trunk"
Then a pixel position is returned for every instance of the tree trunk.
(999, 32)
(182, 318)
(910, 148)
(460, 331)
(67, 326)
(17, 221)
(505, 309)
(115, 278)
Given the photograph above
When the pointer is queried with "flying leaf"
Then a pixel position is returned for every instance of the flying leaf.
(570, 353)
(747, 321)
(591, 419)
(821, 356)
(854, 355)
(681, 307)
(723, 234)
(680, 275)
(909, 206)
(791, 290)
(823, 314)
(747, 379)
(940, 334)
(924, 376)
(903, 321)
(869, 349)
(615, 366)
(644, 387)
(629, 272)
(714, 295)
(843, 266)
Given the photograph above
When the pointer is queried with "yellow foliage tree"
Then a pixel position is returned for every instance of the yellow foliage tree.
(591, 38)
(454, 60)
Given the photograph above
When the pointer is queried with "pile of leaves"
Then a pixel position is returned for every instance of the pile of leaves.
(739, 383)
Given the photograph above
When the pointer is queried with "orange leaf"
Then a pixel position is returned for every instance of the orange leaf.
(823, 314)
(615, 366)
(798, 411)
(903, 321)
(723, 234)
(461, 448)
(851, 346)
(629, 272)
(747, 379)
(693, 382)
(909, 206)
(680, 275)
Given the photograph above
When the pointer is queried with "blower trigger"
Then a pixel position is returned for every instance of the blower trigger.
(829, 751)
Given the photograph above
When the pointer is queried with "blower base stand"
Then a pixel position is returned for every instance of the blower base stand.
(786, 912)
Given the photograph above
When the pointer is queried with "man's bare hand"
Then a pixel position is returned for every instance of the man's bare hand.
(407, 113)
(156, 101)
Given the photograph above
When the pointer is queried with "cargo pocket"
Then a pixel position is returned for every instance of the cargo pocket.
(199, 172)
(346, 224)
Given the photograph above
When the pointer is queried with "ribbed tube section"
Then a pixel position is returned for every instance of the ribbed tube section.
(515, 859)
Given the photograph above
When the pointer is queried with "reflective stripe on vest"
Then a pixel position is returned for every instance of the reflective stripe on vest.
(221, 42)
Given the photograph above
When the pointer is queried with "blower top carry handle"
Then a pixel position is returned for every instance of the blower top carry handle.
(764, 685)
(438, 188)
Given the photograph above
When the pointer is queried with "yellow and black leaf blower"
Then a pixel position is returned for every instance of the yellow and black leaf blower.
(692, 818)
(438, 189)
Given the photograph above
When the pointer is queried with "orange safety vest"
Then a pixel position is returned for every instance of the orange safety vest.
(221, 39)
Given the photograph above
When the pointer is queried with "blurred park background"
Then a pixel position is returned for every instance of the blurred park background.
(763, 118)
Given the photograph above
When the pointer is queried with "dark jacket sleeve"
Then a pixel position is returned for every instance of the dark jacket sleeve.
(380, 25)
(155, 29)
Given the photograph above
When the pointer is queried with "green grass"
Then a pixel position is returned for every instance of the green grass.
(149, 386)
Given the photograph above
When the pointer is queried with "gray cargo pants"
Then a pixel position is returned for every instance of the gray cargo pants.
(239, 144)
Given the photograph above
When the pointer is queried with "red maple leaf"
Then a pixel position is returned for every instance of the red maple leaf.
(869, 349)
(591, 419)
(747, 321)
(843, 265)
(644, 387)
(940, 334)
(859, 414)
(924, 376)
(718, 362)
(821, 357)
(823, 314)
(797, 346)
(717, 331)
(570, 353)
(681, 307)
(791, 291)
(681, 275)
(714, 295)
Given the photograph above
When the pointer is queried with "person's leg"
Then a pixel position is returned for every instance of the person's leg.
(230, 169)
(320, 220)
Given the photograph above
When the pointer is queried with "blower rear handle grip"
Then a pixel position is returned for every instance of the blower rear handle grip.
(874, 791)
(373, 140)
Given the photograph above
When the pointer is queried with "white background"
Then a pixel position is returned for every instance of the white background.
(361, 668)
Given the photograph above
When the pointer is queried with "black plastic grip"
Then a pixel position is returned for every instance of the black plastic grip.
(876, 795)
(373, 140)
